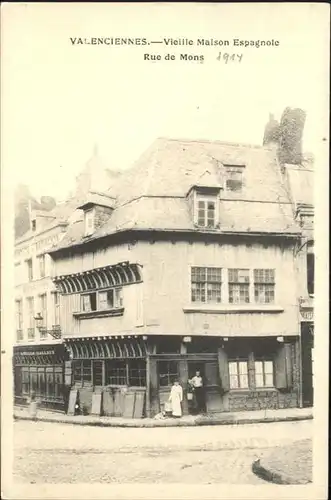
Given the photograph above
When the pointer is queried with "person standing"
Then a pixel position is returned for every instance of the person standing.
(197, 384)
(176, 398)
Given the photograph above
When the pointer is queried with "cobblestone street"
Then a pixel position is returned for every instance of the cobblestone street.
(60, 453)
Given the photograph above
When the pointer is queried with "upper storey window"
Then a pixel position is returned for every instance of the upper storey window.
(234, 177)
(206, 212)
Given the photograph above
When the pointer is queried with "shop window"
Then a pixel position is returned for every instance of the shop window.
(33, 380)
(238, 371)
(116, 372)
(264, 286)
(41, 388)
(50, 384)
(206, 284)
(25, 381)
(238, 286)
(58, 382)
(82, 372)
(168, 372)
(97, 372)
(86, 371)
(137, 373)
(264, 373)
(77, 372)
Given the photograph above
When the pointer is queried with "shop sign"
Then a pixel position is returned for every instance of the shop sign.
(307, 315)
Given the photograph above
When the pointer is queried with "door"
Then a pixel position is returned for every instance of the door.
(307, 367)
(209, 372)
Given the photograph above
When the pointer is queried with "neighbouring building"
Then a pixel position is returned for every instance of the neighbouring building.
(187, 263)
(39, 354)
(300, 179)
(298, 174)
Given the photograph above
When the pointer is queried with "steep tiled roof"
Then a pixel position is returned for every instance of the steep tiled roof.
(152, 194)
(301, 183)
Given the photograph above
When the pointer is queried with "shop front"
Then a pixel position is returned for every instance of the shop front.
(39, 370)
(246, 373)
(108, 376)
(131, 376)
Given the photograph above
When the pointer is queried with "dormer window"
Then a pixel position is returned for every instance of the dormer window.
(234, 177)
(206, 212)
(89, 222)
(204, 202)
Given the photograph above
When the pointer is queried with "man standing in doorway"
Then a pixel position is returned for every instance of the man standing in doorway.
(197, 384)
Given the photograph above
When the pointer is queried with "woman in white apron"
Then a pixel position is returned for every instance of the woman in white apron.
(176, 398)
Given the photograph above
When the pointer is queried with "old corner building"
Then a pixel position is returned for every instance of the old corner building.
(187, 262)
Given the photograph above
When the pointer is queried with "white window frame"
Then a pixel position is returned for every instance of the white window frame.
(117, 299)
(42, 265)
(243, 278)
(264, 286)
(201, 198)
(240, 374)
(29, 269)
(43, 308)
(89, 221)
(56, 306)
(208, 285)
(30, 302)
(264, 373)
(19, 314)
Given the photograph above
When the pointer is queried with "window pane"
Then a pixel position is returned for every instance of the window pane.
(233, 368)
(258, 367)
(269, 380)
(268, 367)
(243, 381)
(87, 371)
(86, 305)
(168, 371)
(116, 372)
(259, 380)
(234, 384)
(243, 367)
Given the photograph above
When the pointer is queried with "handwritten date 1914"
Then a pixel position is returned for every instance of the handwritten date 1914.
(227, 58)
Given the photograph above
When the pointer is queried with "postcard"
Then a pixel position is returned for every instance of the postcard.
(164, 250)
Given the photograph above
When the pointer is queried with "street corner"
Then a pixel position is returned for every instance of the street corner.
(290, 465)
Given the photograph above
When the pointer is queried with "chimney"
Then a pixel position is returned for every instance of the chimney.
(290, 136)
(271, 132)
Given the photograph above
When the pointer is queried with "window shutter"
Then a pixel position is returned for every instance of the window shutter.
(223, 369)
(289, 370)
(280, 368)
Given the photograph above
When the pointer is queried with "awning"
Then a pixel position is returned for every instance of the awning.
(106, 349)
(119, 274)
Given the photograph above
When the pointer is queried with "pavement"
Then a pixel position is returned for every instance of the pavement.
(246, 417)
(56, 453)
(287, 465)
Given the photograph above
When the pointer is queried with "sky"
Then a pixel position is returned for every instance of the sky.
(60, 100)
